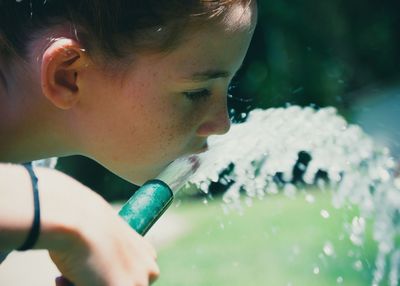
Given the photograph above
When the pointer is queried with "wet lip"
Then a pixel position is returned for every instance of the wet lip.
(203, 148)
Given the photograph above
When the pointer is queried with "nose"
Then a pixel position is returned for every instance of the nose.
(217, 123)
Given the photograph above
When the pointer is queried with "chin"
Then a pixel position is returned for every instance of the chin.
(140, 176)
(136, 173)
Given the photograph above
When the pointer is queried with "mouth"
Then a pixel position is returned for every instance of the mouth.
(202, 148)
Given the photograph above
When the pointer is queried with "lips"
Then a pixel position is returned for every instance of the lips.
(203, 147)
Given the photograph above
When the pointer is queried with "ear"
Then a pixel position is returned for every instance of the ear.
(62, 63)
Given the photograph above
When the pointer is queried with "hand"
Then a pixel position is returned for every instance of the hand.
(61, 281)
(87, 240)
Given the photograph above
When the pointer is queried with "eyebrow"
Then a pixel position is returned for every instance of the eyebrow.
(208, 74)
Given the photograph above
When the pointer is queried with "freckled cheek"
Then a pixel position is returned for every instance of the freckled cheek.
(198, 115)
(173, 136)
(147, 124)
(162, 123)
(185, 122)
(170, 134)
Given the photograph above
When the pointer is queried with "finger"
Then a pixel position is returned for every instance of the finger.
(153, 279)
(61, 281)
(150, 248)
(154, 274)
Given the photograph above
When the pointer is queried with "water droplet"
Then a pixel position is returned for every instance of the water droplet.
(328, 249)
(356, 240)
(302, 167)
(224, 181)
(316, 270)
(298, 90)
(358, 265)
(357, 230)
(290, 191)
(178, 203)
(339, 280)
(204, 187)
(325, 214)
(310, 198)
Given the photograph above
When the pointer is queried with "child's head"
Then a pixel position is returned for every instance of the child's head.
(139, 83)
(111, 29)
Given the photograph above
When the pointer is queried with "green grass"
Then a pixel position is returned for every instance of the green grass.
(277, 241)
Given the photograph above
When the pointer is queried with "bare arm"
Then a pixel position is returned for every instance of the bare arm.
(16, 206)
(86, 239)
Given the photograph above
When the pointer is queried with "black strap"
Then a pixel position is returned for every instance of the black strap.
(35, 229)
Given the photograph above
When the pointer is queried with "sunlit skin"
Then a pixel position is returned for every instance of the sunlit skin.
(135, 122)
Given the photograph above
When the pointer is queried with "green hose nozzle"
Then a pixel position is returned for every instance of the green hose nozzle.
(148, 203)
(152, 199)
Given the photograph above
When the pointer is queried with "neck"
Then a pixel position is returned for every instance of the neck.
(30, 127)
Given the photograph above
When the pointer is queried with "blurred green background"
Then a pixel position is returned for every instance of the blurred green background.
(320, 53)
(275, 241)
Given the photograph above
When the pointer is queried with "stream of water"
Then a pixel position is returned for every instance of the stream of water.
(280, 149)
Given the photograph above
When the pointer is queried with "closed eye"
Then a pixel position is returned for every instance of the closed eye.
(195, 95)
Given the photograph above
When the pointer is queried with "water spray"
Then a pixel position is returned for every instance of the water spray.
(152, 199)
(357, 170)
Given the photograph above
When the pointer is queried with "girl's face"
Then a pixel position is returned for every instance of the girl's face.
(165, 105)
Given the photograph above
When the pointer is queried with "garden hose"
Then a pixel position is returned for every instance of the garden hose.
(151, 200)
(148, 203)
